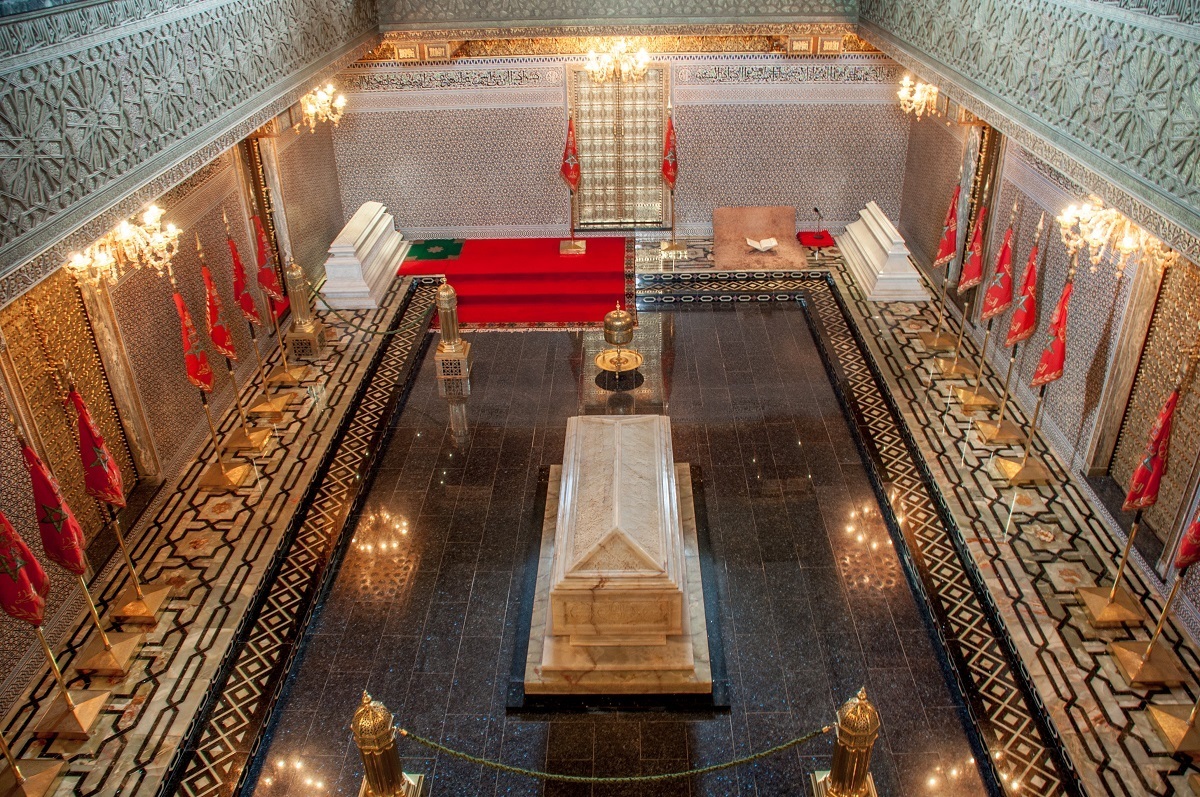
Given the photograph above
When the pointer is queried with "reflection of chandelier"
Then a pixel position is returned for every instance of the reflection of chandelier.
(127, 246)
(918, 98)
(618, 63)
(320, 105)
(1098, 229)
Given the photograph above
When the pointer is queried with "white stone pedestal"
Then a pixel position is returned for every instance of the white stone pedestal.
(879, 260)
(619, 607)
(363, 259)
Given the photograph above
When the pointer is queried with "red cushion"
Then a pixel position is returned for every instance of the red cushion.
(816, 239)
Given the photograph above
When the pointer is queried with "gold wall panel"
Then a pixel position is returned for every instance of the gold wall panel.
(47, 325)
(1172, 330)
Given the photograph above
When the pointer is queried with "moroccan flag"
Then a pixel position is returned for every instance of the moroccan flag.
(240, 289)
(972, 270)
(101, 474)
(267, 277)
(570, 163)
(949, 243)
(23, 583)
(199, 372)
(1024, 318)
(62, 537)
(1050, 367)
(670, 164)
(1189, 546)
(999, 292)
(218, 333)
(1143, 487)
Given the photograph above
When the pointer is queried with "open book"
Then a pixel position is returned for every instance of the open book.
(764, 245)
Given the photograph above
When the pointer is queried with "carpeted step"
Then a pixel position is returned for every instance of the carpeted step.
(565, 285)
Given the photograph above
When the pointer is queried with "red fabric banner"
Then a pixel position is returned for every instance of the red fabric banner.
(1143, 487)
(218, 333)
(670, 162)
(62, 537)
(199, 372)
(570, 161)
(948, 247)
(1189, 546)
(23, 583)
(241, 290)
(101, 473)
(972, 270)
(1024, 317)
(1054, 356)
(267, 276)
(999, 295)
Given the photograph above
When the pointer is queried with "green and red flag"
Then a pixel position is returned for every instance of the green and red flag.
(218, 333)
(195, 359)
(570, 160)
(972, 270)
(670, 161)
(267, 276)
(999, 295)
(1024, 317)
(101, 473)
(62, 536)
(1054, 356)
(948, 247)
(1143, 487)
(241, 292)
(1189, 545)
(23, 583)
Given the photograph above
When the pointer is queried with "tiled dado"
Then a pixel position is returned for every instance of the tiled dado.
(227, 556)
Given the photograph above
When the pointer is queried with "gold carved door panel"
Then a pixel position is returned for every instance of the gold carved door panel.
(46, 327)
(619, 128)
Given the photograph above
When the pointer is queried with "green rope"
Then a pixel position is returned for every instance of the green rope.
(533, 773)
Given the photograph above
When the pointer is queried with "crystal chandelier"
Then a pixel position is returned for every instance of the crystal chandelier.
(1099, 230)
(320, 105)
(127, 246)
(618, 63)
(918, 98)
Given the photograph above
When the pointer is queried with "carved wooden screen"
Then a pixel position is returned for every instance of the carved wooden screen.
(1172, 330)
(49, 325)
(619, 127)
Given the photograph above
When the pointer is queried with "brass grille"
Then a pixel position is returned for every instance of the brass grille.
(1172, 330)
(619, 127)
(49, 325)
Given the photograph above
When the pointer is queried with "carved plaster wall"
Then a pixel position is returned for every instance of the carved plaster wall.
(935, 154)
(312, 196)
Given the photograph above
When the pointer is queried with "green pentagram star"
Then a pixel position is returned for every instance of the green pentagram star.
(54, 516)
(101, 458)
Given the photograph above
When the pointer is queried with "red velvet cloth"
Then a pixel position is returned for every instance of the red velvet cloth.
(815, 240)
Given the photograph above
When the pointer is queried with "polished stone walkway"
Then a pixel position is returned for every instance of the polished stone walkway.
(814, 601)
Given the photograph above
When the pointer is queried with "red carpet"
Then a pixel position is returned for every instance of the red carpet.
(526, 281)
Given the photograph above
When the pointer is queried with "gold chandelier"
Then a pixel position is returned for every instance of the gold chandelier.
(618, 63)
(128, 246)
(1100, 229)
(321, 105)
(918, 98)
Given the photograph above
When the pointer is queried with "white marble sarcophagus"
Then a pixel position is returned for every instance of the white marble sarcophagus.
(363, 259)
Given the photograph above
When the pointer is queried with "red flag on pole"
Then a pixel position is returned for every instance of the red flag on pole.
(670, 162)
(948, 247)
(1143, 487)
(62, 537)
(1189, 545)
(1050, 366)
(972, 270)
(218, 333)
(998, 297)
(570, 161)
(241, 290)
(1024, 317)
(101, 474)
(23, 583)
(267, 277)
(199, 372)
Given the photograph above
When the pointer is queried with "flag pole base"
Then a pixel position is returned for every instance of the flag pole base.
(954, 366)
(243, 439)
(64, 722)
(1172, 724)
(1016, 474)
(574, 246)
(270, 408)
(226, 476)
(111, 662)
(938, 341)
(998, 434)
(143, 611)
(672, 246)
(1157, 669)
(1103, 613)
(288, 376)
(975, 399)
(41, 776)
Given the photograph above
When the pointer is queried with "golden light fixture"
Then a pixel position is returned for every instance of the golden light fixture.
(321, 105)
(126, 247)
(1100, 229)
(918, 98)
(618, 63)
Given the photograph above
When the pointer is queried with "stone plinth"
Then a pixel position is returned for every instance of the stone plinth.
(879, 259)
(362, 260)
(619, 607)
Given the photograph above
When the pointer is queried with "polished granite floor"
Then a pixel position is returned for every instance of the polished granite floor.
(814, 603)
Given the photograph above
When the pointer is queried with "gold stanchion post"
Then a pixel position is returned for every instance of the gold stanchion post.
(374, 731)
(857, 729)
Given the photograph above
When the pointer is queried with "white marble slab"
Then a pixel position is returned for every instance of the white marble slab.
(879, 259)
